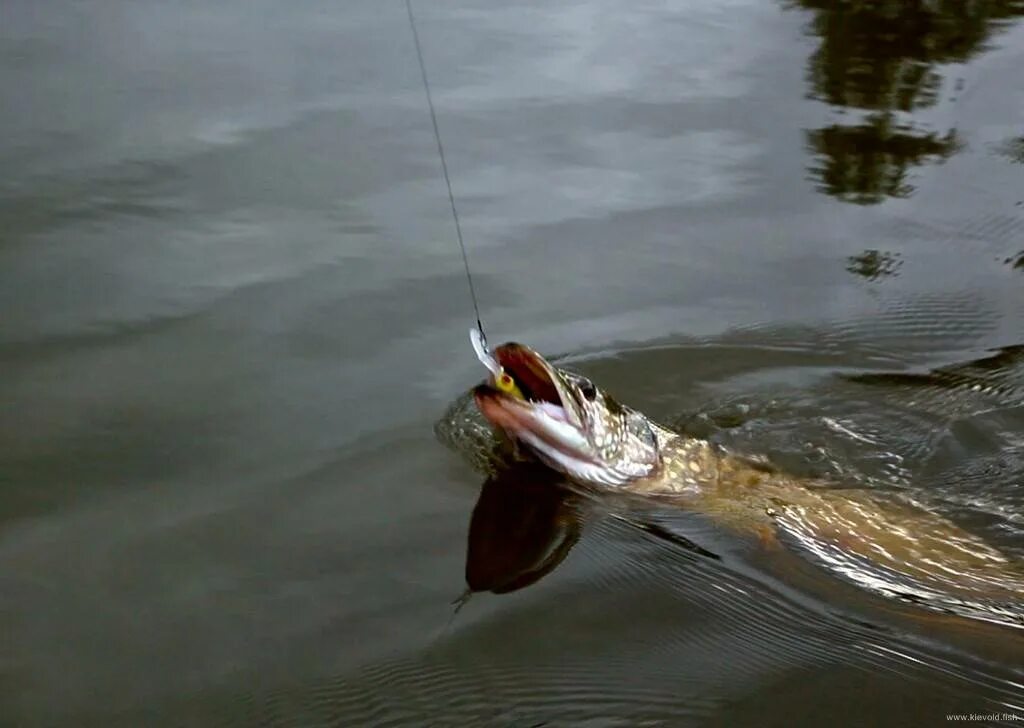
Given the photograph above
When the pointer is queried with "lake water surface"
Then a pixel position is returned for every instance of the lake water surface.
(232, 309)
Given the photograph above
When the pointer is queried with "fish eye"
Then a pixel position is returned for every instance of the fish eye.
(587, 389)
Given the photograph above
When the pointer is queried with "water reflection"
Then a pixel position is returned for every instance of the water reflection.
(526, 521)
(524, 524)
(868, 162)
(884, 57)
(1013, 149)
(874, 264)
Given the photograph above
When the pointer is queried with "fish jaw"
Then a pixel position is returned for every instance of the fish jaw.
(566, 421)
(543, 425)
(545, 429)
(539, 380)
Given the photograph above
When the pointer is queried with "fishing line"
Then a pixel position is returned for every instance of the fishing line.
(444, 168)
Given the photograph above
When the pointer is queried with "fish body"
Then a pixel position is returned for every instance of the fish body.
(897, 548)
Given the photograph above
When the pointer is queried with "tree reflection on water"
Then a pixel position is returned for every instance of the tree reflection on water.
(885, 57)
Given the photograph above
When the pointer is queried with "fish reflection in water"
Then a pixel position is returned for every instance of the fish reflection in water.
(525, 522)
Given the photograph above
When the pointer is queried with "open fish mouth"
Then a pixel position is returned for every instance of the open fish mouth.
(547, 417)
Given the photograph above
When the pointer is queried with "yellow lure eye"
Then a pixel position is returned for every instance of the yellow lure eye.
(507, 384)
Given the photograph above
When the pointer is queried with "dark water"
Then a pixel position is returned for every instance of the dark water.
(231, 310)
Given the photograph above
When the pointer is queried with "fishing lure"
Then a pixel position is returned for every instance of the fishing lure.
(502, 379)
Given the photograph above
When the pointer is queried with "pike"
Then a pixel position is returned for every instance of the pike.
(577, 429)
